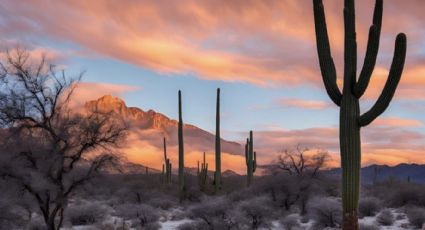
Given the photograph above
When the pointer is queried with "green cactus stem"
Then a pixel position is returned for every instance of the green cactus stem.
(217, 175)
(181, 152)
(251, 159)
(353, 88)
(203, 174)
(166, 167)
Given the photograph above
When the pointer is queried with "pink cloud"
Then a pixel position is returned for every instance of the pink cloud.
(389, 144)
(86, 91)
(304, 104)
(267, 44)
(397, 122)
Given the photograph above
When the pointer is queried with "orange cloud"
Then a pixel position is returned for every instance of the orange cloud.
(264, 43)
(385, 144)
(145, 147)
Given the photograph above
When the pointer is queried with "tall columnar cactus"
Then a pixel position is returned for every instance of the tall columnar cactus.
(350, 119)
(203, 174)
(166, 167)
(181, 151)
(251, 159)
(217, 175)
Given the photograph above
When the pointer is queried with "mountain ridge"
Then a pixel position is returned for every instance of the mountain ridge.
(147, 129)
(415, 172)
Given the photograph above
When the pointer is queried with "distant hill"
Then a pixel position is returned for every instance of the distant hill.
(127, 167)
(144, 143)
(150, 127)
(194, 171)
(399, 172)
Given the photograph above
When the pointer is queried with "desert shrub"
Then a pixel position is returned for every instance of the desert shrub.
(400, 216)
(163, 202)
(241, 195)
(256, 212)
(36, 223)
(369, 206)
(188, 226)
(141, 215)
(290, 222)
(368, 227)
(214, 213)
(405, 195)
(196, 225)
(10, 220)
(326, 212)
(416, 216)
(385, 217)
(85, 213)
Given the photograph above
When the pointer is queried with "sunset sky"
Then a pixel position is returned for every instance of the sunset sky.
(261, 54)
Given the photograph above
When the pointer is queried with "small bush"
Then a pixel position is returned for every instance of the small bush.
(189, 226)
(163, 202)
(369, 206)
(36, 223)
(385, 217)
(141, 215)
(326, 212)
(85, 214)
(290, 222)
(368, 227)
(416, 216)
(215, 213)
(256, 212)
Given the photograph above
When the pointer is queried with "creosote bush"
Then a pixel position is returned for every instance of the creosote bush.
(416, 216)
(385, 217)
(326, 212)
(290, 222)
(369, 206)
(85, 214)
(369, 227)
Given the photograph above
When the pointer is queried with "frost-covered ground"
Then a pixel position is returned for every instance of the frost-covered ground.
(171, 219)
(268, 204)
(401, 221)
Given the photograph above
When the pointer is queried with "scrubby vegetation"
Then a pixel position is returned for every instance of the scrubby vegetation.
(274, 201)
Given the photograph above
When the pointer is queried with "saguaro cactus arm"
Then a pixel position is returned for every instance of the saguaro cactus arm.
(327, 66)
(390, 86)
(371, 51)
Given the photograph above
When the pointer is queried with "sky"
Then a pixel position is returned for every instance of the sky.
(262, 54)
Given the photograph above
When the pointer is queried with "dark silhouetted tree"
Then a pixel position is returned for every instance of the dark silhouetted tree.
(51, 148)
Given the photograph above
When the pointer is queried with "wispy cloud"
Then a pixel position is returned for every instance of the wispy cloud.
(382, 145)
(239, 41)
(87, 91)
(303, 104)
(397, 122)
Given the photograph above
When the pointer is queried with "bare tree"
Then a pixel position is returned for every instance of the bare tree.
(297, 162)
(51, 149)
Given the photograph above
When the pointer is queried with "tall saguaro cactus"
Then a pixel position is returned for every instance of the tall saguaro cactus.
(166, 167)
(217, 175)
(251, 159)
(203, 174)
(350, 119)
(181, 151)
